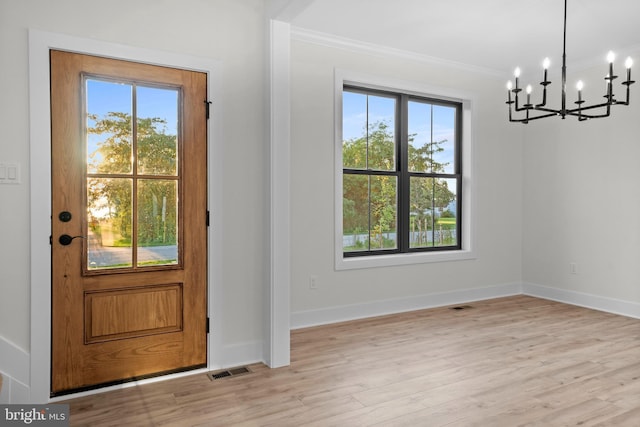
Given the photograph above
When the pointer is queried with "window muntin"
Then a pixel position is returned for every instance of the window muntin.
(408, 201)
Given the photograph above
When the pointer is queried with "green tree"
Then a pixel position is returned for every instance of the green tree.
(156, 155)
(371, 205)
(371, 200)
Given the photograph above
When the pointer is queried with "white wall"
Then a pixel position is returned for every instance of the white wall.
(498, 212)
(582, 200)
(230, 31)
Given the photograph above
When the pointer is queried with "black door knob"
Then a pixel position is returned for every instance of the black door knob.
(65, 239)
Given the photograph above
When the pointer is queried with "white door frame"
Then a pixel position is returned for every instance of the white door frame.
(40, 188)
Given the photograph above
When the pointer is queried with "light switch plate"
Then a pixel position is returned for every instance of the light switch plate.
(9, 173)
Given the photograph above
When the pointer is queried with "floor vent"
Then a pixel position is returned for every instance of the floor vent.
(233, 372)
(461, 307)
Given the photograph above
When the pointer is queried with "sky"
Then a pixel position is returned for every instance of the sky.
(357, 108)
(107, 96)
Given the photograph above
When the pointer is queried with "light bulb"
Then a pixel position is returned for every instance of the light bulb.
(529, 89)
(579, 85)
(628, 63)
(509, 85)
(516, 72)
(611, 57)
(546, 63)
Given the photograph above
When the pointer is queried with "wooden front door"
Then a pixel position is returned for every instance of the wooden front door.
(129, 221)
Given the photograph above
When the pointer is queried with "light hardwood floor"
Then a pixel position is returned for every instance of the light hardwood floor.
(516, 361)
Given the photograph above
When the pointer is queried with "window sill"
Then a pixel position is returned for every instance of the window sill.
(354, 263)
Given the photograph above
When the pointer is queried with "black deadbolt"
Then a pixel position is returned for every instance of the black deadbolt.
(64, 216)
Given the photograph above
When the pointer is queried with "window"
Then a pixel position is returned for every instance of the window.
(401, 173)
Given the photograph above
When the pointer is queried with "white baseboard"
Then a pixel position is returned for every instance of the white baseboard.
(581, 299)
(13, 391)
(14, 367)
(303, 319)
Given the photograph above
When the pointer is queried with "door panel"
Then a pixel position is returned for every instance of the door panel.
(123, 313)
(129, 191)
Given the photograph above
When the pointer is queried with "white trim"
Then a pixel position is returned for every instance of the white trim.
(581, 299)
(468, 101)
(15, 361)
(278, 298)
(325, 316)
(40, 166)
(13, 391)
(357, 46)
(15, 373)
(303, 319)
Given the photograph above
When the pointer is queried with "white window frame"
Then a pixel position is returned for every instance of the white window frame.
(468, 101)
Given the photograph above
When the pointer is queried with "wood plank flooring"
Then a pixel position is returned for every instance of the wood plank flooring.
(516, 361)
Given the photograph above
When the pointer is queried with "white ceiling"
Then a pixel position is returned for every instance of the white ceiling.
(495, 35)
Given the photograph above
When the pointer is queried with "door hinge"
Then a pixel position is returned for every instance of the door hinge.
(207, 325)
(50, 240)
(208, 219)
(207, 104)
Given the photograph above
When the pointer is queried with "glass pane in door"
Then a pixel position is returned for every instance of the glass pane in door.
(109, 212)
(157, 222)
(157, 130)
(109, 107)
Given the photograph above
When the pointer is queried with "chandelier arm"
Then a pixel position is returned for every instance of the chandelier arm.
(550, 110)
(583, 117)
(589, 107)
(526, 120)
(544, 94)
(627, 84)
(577, 112)
(517, 107)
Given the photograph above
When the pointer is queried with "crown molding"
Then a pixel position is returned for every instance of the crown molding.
(357, 46)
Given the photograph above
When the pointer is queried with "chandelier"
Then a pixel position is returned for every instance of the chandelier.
(529, 111)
